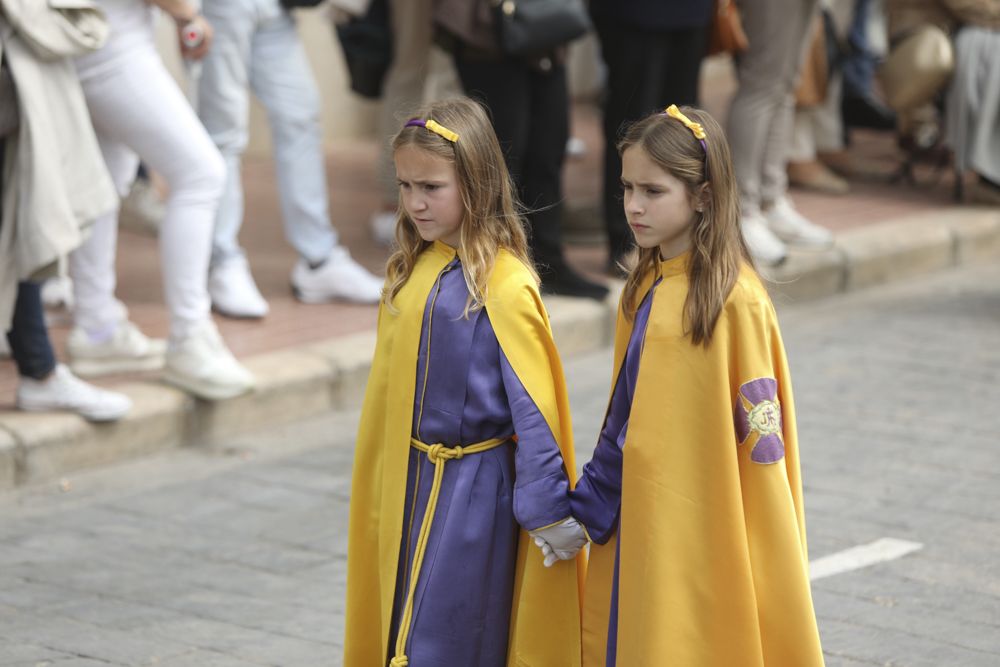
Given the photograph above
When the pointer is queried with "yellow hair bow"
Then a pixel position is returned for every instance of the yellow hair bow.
(696, 129)
(435, 127)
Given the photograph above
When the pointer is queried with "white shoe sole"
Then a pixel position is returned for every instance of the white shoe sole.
(319, 296)
(89, 415)
(208, 391)
(98, 367)
(235, 315)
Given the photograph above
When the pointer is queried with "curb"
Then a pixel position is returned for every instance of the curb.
(300, 382)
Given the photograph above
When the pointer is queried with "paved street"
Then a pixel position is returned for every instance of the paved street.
(235, 555)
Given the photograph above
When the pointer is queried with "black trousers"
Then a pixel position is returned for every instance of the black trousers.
(530, 110)
(647, 71)
(28, 337)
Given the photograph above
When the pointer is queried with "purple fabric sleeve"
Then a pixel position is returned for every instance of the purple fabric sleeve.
(596, 501)
(541, 486)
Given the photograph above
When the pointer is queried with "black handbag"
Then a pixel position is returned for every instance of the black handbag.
(530, 27)
(367, 45)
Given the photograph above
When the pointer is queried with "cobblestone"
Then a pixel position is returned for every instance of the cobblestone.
(235, 555)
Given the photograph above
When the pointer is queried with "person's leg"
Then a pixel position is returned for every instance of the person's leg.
(514, 96)
(224, 106)
(28, 337)
(681, 63)
(760, 119)
(761, 114)
(224, 109)
(103, 340)
(503, 89)
(631, 92)
(281, 78)
(141, 106)
(541, 169)
(412, 32)
(45, 385)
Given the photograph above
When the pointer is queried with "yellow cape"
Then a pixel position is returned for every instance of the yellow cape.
(545, 617)
(714, 571)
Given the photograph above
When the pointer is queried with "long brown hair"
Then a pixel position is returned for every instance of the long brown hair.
(492, 218)
(717, 247)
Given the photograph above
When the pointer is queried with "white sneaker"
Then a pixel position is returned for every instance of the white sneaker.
(202, 365)
(340, 277)
(127, 350)
(58, 292)
(64, 391)
(764, 246)
(383, 226)
(233, 291)
(4, 347)
(142, 209)
(791, 227)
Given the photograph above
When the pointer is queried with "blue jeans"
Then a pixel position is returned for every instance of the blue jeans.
(257, 47)
(28, 337)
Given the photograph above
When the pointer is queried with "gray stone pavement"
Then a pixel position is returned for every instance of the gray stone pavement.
(235, 555)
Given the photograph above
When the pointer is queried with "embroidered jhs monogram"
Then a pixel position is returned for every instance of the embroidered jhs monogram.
(758, 420)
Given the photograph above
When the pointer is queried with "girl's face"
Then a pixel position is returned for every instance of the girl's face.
(428, 192)
(657, 204)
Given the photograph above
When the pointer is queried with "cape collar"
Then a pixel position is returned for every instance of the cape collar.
(443, 249)
(675, 265)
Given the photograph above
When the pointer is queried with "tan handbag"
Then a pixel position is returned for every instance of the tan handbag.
(917, 68)
(811, 91)
(725, 33)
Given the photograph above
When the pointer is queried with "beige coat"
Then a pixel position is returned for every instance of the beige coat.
(907, 15)
(54, 179)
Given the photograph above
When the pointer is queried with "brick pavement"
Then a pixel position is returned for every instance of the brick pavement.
(234, 556)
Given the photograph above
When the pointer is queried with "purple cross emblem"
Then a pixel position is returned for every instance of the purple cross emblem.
(757, 411)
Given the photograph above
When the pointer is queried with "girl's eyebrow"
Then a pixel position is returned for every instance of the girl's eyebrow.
(418, 181)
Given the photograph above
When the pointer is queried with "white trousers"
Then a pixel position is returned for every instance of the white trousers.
(139, 112)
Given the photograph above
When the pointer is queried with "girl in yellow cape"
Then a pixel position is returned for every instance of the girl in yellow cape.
(693, 498)
(464, 452)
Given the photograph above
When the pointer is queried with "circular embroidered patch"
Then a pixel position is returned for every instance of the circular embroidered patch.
(765, 418)
(757, 415)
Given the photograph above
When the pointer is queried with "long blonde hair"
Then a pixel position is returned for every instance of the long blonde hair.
(717, 247)
(492, 219)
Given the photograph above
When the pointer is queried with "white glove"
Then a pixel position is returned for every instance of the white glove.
(560, 541)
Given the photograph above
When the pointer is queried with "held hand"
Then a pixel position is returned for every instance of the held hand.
(561, 541)
(195, 37)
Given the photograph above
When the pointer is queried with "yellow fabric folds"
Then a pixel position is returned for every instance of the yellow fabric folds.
(545, 617)
(714, 571)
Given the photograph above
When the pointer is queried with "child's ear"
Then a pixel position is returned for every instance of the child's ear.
(702, 197)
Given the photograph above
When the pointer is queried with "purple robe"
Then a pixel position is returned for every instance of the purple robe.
(467, 392)
(596, 501)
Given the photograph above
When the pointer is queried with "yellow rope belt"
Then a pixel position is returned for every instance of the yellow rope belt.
(438, 455)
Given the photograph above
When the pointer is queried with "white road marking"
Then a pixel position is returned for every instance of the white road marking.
(863, 555)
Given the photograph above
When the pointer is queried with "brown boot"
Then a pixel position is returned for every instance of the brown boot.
(983, 192)
(849, 165)
(814, 175)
